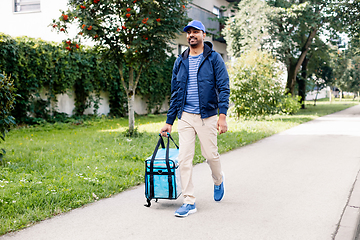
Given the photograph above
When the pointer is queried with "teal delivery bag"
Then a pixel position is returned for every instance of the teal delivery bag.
(162, 179)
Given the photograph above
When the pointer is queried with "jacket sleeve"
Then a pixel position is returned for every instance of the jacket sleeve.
(171, 115)
(222, 83)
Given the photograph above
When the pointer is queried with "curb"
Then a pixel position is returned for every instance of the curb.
(348, 227)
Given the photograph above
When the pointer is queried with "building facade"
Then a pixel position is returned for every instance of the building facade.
(32, 18)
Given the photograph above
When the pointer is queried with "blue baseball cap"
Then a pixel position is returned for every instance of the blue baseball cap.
(195, 24)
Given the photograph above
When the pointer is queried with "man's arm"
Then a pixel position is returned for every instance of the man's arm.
(222, 83)
(172, 112)
(221, 124)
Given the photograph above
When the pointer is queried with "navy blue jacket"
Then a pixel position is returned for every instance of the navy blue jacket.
(213, 85)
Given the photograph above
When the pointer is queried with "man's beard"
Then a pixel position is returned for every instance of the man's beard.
(193, 44)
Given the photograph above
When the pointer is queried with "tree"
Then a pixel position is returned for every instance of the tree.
(131, 33)
(353, 75)
(314, 69)
(247, 29)
(347, 15)
(293, 20)
(347, 68)
(292, 27)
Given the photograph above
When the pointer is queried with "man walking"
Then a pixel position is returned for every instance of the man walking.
(199, 91)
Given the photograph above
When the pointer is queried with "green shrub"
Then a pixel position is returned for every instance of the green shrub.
(255, 86)
(155, 83)
(290, 104)
(7, 102)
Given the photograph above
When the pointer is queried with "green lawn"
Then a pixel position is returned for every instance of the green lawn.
(55, 168)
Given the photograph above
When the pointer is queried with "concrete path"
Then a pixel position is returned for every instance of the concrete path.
(299, 184)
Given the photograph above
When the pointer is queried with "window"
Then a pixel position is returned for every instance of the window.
(217, 11)
(26, 5)
(182, 48)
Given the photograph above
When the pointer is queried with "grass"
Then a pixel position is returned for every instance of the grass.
(52, 169)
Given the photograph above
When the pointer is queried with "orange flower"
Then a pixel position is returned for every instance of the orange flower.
(183, 6)
(128, 9)
(68, 42)
(62, 29)
(128, 15)
(123, 27)
(96, 36)
(89, 28)
(134, 1)
(158, 20)
(65, 17)
(144, 21)
(96, 1)
(81, 33)
(118, 29)
(68, 48)
(82, 7)
(83, 26)
(77, 46)
(54, 26)
(146, 38)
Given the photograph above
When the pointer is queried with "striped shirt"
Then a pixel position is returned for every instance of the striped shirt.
(192, 96)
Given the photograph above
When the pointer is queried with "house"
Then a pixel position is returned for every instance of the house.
(32, 18)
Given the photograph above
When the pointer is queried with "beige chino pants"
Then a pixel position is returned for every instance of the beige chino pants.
(189, 126)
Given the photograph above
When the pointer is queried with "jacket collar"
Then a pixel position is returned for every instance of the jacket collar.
(207, 50)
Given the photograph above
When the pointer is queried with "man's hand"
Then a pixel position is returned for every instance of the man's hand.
(221, 124)
(165, 129)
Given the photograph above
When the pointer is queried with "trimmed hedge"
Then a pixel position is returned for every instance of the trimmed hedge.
(35, 64)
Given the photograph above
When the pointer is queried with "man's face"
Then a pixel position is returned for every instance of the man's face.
(195, 37)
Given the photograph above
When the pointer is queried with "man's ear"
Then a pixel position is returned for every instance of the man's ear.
(204, 34)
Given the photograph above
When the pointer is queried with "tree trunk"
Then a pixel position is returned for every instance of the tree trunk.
(293, 68)
(290, 84)
(131, 113)
(302, 82)
(130, 93)
(317, 92)
(341, 94)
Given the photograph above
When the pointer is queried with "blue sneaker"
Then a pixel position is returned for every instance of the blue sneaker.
(185, 210)
(219, 190)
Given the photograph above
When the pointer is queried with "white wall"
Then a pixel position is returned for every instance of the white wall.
(32, 24)
(312, 95)
(209, 4)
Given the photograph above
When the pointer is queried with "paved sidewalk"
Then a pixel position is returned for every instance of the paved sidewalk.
(293, 185)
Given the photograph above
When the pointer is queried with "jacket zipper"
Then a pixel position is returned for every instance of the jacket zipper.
(185, 91)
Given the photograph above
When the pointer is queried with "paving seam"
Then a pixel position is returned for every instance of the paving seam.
(348, 226)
